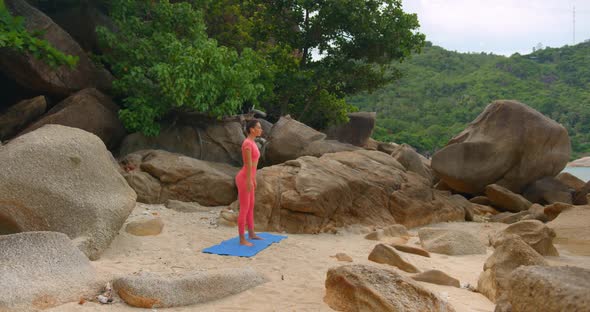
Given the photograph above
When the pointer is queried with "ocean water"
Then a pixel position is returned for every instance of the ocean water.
(583, 173)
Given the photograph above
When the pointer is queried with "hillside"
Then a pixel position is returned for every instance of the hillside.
(441, 91)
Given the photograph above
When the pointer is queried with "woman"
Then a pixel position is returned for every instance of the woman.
(246, 181)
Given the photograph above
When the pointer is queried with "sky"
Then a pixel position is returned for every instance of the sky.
(501, 26)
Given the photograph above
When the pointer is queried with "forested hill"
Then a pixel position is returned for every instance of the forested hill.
(442, 91)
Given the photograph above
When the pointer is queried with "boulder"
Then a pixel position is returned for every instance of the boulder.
(62, 179)
(356, 131)
(290, 139)
(412, 161)
(572, 230)
(549, 289)
(42, 269)
(437, 277)
(412, 250)
(89, 110)
(147, 188)
(149, 290)
(21, 114)
(145, 225)
(387, 255)
(450, 242)
(364, 187)
(35, 74)
(508, 144)
(548, 190)
(503, 198)
(173, 176)
(510, 253)
(570, 180)
(553, 210)
(534, 233)
(581, 195)
(536, 212)
(481, 200)
(358, 287)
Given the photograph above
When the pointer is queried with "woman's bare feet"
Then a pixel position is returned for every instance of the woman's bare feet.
(244, 242)
(252, 235)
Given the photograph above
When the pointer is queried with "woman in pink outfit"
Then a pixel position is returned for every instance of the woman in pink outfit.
(246, 182)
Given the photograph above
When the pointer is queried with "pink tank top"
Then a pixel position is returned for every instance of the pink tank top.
(253, 147)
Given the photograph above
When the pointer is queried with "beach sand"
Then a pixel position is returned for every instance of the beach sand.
(296, 267)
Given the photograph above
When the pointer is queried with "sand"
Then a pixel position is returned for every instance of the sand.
(296, 267)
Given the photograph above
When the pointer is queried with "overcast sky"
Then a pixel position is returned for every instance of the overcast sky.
(500, 26)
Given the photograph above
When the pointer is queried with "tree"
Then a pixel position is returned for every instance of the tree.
(355, 39)
(164, 61)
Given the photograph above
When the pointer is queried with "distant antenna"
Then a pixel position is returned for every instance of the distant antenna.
(574, 21)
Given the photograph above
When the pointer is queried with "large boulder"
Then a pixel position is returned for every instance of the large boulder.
(35, 74)
(40, 270)
(193, 136)
(310, 194)
(450, 242)
(548, 190)
(534, 233)
(20, 115)
(290, 139)
(89, 110)
(159, 176)
(549, 289)
(572, 230)
(355, 288)
(509, 144)
(509, 254)
(356, 131)
(148, 290)
(63, 179)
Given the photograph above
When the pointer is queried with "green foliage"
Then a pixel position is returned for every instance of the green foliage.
(164, 61)
(442, 91)
(14, 36)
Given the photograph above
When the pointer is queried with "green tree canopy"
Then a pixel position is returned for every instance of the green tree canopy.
(164, 61)
(322, 50)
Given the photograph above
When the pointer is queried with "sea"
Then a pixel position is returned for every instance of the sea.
(582, 173)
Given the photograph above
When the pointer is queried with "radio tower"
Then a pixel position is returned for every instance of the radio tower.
(574, 22)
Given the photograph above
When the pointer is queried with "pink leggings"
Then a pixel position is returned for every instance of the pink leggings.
(246, 199)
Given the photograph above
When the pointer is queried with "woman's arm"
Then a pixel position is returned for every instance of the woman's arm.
(248, 151)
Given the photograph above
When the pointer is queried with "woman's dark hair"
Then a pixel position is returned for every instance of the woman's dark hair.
(251, 124)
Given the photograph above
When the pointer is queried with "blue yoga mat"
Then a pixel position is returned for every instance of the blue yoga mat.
(232, 247)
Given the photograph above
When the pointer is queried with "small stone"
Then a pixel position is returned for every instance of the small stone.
(145, 225)
(342, 257)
